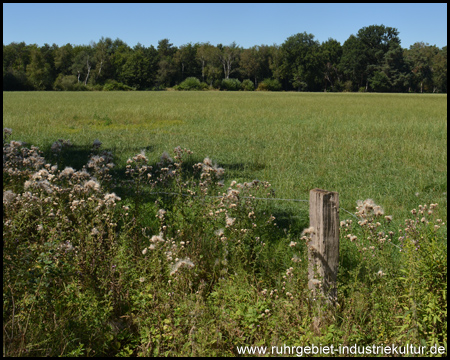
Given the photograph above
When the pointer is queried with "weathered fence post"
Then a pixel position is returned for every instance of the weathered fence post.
(323, 249)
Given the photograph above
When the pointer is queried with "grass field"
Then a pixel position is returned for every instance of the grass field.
(389, 147)
(94, 264)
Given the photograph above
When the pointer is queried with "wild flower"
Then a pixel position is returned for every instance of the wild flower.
(180, 264)
(66, 246)
(378, 211)
(207, 161)
(380, 273)
(296, 259)
(67, 172)
(56, 147)
(165, 157)
(110, 199)
(309, 230)
(161, 213)
(229, 221)
(157, 238)
(91, 185)
(8, 197)
(219, 232)
(144, 251)
(141, 157)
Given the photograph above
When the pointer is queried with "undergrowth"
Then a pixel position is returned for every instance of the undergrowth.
(182, 265)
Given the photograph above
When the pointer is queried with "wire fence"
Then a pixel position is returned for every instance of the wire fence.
(249, 197)
(259, 198)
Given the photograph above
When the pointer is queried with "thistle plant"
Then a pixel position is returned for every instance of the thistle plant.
(184, 256)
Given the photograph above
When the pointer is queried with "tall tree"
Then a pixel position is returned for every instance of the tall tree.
(363, 55)
(420, 57)
(102, 53)
(166, 66)
(209, 55)
(440, 70)
(119, 55)
(64, 59)
(186, 62)
(250, 63)
(301, 64)
(228, 56)
(82, 65)
(276, 62)
(331, 53)
(392, 73)
(135, 70)
(39, 71)
(16, 57)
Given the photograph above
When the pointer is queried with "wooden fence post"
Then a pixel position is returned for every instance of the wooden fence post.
(323, 249)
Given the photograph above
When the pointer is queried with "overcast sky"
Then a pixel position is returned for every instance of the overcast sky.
(246, 24)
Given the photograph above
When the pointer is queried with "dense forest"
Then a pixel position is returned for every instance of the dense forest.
(372, 60)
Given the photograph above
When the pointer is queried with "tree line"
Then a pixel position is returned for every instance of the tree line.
(371, 60)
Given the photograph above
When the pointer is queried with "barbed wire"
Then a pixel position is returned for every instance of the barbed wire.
(248, 197)
(259, 198)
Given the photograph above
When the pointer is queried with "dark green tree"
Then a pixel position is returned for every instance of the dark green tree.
(166, 64)
(16, 57)
(39, 71)
(250, 63)
(301, 62)
(64, 59)
(331, 53)
(440, 70)
(135, 71)
(185, 60)
(363, 55)
(420, 57)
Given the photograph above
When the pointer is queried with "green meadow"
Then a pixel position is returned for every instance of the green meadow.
(118, 259)
(388, 147)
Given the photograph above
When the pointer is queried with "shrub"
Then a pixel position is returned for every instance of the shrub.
(66, 83)
(230, 84)
(269, 85)
(247, 85)
(190, 83)
(348, 86)
(204, 86)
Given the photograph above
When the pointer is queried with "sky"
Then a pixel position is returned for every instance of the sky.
(246, 24)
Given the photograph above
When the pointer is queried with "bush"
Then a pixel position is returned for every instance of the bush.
(66, 83)
(247, 85)
(230, 85)
(348, 86)
(204, 86)
(269, 85)
(190, 83)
